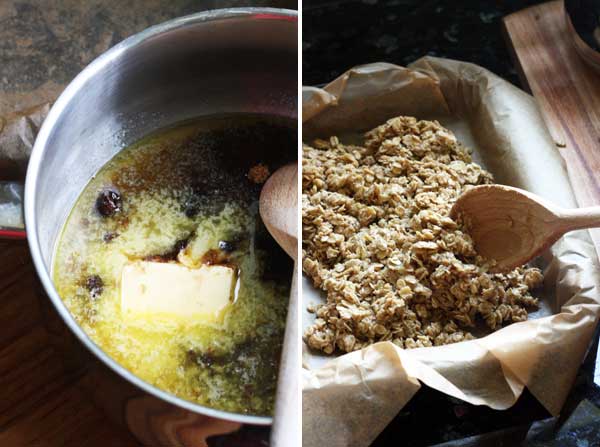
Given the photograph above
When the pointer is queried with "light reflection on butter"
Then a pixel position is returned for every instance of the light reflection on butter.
(172, 290)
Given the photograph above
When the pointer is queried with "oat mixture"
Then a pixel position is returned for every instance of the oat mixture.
(378, 239)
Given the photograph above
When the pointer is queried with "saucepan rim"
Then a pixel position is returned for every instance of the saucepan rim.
(35, 164)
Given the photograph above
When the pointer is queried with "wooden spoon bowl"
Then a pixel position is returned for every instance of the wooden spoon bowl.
(513, 226)
(278, 207)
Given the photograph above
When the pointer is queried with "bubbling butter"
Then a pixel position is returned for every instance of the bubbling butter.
(175, 233)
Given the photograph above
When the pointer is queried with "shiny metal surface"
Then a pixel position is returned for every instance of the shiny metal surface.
(222, 61)
(12, 225)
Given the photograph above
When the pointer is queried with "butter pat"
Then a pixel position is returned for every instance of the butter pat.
(157, 289)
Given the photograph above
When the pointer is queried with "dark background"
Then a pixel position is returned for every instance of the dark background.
(339, 34)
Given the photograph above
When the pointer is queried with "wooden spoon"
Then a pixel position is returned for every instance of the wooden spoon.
(513, 226)
(278, 208)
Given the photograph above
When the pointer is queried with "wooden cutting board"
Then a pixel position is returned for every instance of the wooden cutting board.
(567, 92)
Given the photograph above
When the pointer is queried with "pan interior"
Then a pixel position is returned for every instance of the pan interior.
(186, 194)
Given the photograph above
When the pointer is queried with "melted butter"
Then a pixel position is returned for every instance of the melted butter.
(231, 365)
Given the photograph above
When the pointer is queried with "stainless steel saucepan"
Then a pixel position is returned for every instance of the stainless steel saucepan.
(215, 62)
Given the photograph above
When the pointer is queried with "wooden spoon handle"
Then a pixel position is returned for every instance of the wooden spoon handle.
(579, 218)
(285, 431)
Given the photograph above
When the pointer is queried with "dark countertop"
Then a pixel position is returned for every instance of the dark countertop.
(339, 34)
(43, 45)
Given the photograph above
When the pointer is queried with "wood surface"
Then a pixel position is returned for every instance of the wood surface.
(567, 91)
(41, 401)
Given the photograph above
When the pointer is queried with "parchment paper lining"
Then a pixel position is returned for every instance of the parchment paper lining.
(348, 400)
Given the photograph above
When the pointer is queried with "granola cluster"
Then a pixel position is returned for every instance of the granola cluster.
(378, 239)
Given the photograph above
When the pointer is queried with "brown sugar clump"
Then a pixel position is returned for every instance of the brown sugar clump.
(259, 173)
